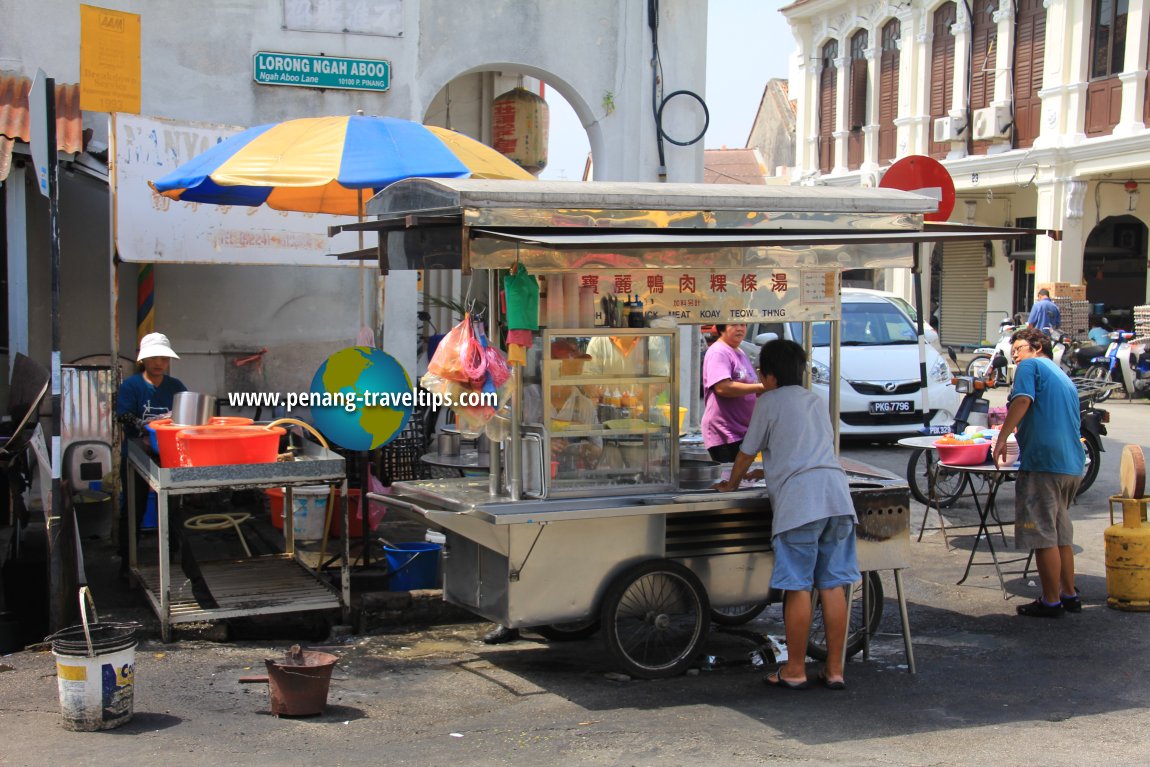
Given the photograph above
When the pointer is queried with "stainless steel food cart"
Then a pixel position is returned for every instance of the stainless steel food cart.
(632, 550)
(261, 585)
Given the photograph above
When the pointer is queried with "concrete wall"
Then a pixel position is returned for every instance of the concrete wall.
(197, 65)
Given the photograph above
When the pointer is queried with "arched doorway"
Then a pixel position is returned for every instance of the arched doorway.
(1114, 268)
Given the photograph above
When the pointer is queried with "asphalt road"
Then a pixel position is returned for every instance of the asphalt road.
(992, 688)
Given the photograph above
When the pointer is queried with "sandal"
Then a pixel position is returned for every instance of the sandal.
(837, 684)
(775, 679)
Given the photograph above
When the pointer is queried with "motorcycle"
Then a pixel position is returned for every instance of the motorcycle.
(1126, 362)
(993, 364)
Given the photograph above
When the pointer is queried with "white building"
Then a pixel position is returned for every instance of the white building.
(1038, 108)
(448, 59)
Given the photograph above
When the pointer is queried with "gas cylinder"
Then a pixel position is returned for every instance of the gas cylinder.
(1128, 557)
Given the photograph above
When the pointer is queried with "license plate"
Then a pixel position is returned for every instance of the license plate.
(893, 406)
(934, 431)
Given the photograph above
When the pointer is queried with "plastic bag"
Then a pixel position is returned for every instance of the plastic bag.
(448, 361)
(497, 370)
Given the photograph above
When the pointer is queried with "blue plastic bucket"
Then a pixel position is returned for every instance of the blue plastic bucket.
(413, 565)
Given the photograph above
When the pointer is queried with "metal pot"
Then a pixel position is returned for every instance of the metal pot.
(193, 408)
(699, 474)
(448, 443)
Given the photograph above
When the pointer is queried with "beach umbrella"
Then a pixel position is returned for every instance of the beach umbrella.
(329, 164)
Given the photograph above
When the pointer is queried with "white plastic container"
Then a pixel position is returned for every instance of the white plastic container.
(309, 509)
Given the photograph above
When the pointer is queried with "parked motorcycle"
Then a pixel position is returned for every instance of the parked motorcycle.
(1126, 362)
(993, 364)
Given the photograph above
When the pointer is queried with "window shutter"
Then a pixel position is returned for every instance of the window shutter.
(1029, 50)
(941, 72)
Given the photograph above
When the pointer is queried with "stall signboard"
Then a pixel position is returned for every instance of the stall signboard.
(315, 71)
(705, 296)
(154, 229)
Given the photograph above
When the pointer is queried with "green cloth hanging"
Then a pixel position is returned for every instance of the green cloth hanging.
(522, 291)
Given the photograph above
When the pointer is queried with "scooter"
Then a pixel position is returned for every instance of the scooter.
(993, 364)
(1126, 362)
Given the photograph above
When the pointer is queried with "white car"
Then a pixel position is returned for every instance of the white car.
(880, 391)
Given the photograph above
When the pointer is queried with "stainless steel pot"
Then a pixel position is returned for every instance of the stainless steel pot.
(192, 408)
(699, 475)
(448, 443)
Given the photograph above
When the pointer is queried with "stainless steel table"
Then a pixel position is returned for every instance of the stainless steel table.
(262, 585)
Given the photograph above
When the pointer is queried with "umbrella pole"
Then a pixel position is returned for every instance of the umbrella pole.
(916, 270)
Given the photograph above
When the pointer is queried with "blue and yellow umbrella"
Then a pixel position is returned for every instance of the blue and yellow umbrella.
(329, 164)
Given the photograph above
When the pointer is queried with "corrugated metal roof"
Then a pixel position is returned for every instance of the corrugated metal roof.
(15, 122)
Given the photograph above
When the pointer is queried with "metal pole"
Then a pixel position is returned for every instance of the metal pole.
(495, 457)
(916, 270)
(835, 348)
(808, 346)
(61, 524)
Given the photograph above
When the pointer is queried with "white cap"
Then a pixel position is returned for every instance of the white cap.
(155, 345)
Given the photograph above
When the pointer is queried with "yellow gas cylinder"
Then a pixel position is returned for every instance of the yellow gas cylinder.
(1128, 557)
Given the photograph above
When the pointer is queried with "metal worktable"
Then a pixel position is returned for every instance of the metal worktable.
(264, 585)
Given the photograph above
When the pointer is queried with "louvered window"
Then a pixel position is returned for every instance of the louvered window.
(941, 71)
(888, 92)
(1029, 52)
(858, 91)
(984, 44)
(828, 94)
(1107, 60)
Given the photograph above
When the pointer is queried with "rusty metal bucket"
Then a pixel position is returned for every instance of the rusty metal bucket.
(298, 684)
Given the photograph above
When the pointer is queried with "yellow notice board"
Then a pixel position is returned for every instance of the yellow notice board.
(109, 60)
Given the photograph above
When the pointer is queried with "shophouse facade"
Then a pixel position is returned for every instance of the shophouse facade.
(1039, 110)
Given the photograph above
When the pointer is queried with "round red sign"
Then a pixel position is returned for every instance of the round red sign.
(925, 176)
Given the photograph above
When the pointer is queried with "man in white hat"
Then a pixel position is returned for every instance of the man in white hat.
(144, 397)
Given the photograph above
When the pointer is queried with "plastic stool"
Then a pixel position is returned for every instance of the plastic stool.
(222, 521)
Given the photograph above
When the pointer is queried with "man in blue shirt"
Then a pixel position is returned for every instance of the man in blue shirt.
(1045, 313)
(1099, 334)
(1044, 407)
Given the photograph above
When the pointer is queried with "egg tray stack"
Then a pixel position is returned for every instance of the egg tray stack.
(1075, 317)
(1142, 321)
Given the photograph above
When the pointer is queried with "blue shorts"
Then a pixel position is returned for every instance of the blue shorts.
(819, 554)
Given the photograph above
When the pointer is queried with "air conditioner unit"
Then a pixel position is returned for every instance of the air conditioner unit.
(992, 122)
(948, 129)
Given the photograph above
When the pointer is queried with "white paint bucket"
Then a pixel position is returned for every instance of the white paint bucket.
(95, 671)
(309, 508)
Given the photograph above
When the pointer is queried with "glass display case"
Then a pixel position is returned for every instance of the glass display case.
(605, 418)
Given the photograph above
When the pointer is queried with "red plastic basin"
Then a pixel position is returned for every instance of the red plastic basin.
(227, 445)
(164, 436)
(963, 455)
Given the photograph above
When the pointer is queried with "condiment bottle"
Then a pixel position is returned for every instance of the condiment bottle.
(635, 317)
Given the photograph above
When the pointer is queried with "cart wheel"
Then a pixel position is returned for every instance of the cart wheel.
(568, 632)
(737, 615)
(656, 616)
(817, 644)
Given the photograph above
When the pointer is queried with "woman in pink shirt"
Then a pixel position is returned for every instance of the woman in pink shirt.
(730, 386)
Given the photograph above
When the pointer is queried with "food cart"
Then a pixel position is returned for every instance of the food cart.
(629, 542)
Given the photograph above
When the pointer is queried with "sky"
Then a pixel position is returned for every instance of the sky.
(748, 43)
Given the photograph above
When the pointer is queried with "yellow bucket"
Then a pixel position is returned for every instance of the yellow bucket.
(665, 413)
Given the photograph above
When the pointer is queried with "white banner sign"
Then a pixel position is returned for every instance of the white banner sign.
(154, 229)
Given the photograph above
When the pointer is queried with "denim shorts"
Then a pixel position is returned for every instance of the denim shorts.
(819, 554)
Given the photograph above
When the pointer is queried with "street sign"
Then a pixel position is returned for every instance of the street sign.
(303, 71)
(110, 72)
(38, 117)
(925, 176)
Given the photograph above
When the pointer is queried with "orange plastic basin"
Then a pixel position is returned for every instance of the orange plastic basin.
(276, 508)
(226, 445)
(963, 455)
(164, 436)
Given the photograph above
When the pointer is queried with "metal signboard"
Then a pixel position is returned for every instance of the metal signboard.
(305, 71)
(153, 229)
(705, 296)
(110, 78)
(38, 118)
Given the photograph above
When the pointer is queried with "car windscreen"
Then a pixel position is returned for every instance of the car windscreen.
(864, 324)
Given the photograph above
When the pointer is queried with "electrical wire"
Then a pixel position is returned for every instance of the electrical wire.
(658, 103)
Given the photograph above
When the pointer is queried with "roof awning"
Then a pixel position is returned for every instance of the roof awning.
(15, 120)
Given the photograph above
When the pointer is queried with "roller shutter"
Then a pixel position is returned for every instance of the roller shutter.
(962, 303)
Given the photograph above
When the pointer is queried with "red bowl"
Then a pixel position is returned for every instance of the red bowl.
(963, 455)
(227, 445)
(164, 433)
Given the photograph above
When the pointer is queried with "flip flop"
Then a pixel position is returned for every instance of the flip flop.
(783, 683)
(838, 684)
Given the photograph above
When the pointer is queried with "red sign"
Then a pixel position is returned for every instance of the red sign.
(925, 176)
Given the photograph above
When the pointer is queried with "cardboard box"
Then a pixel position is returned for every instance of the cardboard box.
(1063, 290)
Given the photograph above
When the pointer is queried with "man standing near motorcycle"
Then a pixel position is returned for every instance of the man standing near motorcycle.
(1045, 313)
(1044, 406)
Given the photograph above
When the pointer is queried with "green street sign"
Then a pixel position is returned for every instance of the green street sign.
(303, 71)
